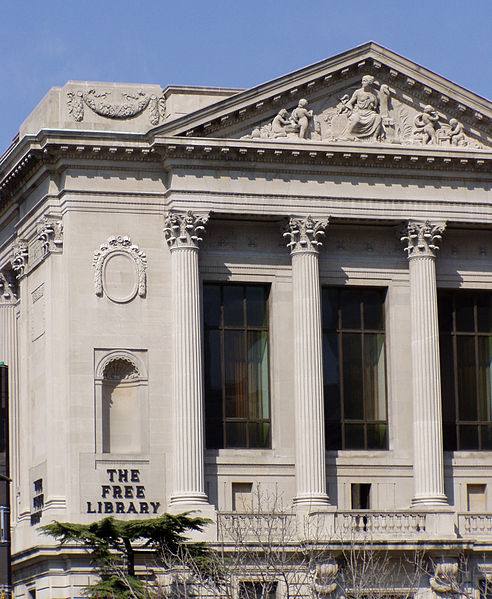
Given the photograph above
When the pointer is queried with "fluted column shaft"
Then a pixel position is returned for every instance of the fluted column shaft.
(422, 239)
(182, 233)
(308, 364)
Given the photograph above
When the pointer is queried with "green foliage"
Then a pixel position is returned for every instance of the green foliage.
(112, 543)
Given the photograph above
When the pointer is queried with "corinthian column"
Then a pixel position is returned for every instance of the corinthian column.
(422, 239)
(303, 235)
(183, 233)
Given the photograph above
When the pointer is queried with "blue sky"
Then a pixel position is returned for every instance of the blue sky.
(231, 43)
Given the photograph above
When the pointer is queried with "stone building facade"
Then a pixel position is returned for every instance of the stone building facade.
(207, 293)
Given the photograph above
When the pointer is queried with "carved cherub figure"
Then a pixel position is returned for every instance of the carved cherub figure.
(425, 124)
(300, 116)
(280, 122)
(456, 133)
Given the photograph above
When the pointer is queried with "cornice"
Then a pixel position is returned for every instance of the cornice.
(59, 149)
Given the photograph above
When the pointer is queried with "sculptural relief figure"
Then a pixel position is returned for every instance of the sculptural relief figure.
(300, 118)
(425, 124)
(280, 124)
(365, 122)
(456, 133)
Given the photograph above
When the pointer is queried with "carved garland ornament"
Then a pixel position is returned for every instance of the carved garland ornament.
(422, 239)
(114, 244)
(303, 234)
(132, 106)
(184, 230)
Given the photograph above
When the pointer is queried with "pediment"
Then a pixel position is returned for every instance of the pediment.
(399, 103)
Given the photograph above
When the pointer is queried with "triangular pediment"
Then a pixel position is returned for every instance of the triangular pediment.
(400, 102)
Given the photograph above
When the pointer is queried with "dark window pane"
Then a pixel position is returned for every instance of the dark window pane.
(377, 436)
(467, 388)
(331, 376)
(350, 304)
(214, 434)
(256, 306)
(447, 377)
(468, 435)
(374, 377)
(352, 376)
(211, 305)
(373, 309)
(445, 310)
(330, 308)
(233, 299)
(485, 377)
(354, 436)
(449, 437)
(236, 434)
(333, 434)
(259, 434)
(486, 432)
(257, 362)
(484, 313)
(465, 321)
(213, 374)
(235, 374)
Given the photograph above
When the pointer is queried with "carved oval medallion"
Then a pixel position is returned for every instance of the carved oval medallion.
(120, 277)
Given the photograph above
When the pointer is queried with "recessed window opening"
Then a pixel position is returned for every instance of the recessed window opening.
(465, 334)
(361, 496)
(237, 395)
(354, 368)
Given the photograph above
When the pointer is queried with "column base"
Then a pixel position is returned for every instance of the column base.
(314, 501)
(431, 501)
(189, 498)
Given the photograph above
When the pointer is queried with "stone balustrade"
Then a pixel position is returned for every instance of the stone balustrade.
(353, 525)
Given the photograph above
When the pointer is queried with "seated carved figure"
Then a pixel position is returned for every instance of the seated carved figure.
(280, 124)
(456, 134)
(365, 122)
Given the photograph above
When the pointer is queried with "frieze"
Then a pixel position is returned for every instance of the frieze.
(131, 106)
(373, 113)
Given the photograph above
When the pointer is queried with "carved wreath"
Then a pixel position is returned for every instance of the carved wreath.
(119, 243)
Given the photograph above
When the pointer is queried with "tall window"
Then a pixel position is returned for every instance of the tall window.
(354, 368)
(465, 332)
(237, 402)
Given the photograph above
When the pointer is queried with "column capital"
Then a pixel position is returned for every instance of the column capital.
(184, 230)
(303, 234)
(8, 287)
(422, 238)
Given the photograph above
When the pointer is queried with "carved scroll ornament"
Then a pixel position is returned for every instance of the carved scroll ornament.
(20, 256)
(120, 244)
(50, 234)
(445, 578)
(8, 287)
(324, 582)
